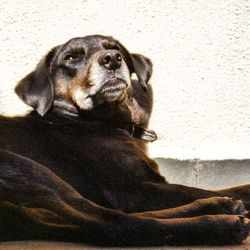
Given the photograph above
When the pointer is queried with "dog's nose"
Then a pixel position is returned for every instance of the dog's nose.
(111, 59)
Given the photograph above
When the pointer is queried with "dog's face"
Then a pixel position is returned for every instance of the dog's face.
(91, 68)
(85, 71)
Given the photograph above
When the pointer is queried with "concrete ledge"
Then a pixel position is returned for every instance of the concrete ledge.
(213, 174)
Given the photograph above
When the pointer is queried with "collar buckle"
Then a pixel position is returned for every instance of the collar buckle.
(142, 133)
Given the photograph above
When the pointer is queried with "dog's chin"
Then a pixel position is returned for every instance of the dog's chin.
(112, 90)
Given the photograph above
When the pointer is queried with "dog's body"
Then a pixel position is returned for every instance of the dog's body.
(76, 169)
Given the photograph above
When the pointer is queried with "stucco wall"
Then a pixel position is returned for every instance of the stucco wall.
(201, 55)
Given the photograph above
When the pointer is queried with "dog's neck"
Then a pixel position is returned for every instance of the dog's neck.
(114, 114)
(109, 115)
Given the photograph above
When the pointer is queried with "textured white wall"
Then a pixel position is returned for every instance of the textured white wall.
(201, 55)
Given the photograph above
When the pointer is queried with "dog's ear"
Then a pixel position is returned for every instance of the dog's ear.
(143, 68)
(36, 89)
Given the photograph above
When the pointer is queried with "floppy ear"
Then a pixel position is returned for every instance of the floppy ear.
(36, 89)
(143, 68)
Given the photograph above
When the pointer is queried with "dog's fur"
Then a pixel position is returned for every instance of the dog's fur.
(75, 168)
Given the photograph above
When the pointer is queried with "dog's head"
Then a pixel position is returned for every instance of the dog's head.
(84, 70)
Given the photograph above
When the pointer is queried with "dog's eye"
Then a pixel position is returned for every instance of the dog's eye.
(75, 54)
(113, 46)
(71, 57)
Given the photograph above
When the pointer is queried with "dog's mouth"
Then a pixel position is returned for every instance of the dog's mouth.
(113, 87)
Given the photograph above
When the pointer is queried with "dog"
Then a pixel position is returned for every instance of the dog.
(76, 168)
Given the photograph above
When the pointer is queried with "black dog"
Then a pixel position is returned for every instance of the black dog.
(75, 169)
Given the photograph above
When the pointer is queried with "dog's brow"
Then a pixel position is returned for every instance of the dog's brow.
(110, 45)
(106, 43)
(77, 49)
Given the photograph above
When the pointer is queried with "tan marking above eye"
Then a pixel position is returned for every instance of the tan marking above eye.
(110, 45)
(78, 50)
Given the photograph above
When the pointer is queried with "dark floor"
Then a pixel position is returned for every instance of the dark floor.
(43, 245)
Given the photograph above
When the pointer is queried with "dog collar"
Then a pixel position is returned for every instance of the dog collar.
(134, 130)
(141, 133)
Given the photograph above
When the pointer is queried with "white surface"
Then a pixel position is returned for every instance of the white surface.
(201, 55)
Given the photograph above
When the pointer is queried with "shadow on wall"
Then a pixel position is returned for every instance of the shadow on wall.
(205, 174)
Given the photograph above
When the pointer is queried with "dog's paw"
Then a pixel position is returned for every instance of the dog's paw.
(225, 229)
(239, 229)
(222, 205)
(235, 206)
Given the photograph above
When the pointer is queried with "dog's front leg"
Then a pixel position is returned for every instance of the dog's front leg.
(163, 195)
(209, 206)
